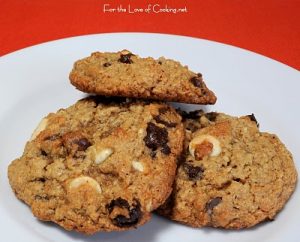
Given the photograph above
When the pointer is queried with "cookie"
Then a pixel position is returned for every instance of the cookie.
(231, 175)
(128, 75)
(100, 165)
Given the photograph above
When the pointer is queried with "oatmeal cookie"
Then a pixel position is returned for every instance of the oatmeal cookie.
(128, 75)
(100, 165)
(231, 175)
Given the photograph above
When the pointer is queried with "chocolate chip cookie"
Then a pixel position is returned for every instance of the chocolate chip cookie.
(231, 175)
(128, 75)
(100, 165)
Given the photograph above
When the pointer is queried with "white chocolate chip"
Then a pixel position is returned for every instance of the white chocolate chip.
(77, 182)
(102, 155)
(41, 126)
(216, 150)
(138, 166)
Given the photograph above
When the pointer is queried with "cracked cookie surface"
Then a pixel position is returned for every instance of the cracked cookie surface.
(99, 165)
(231, 175)
(128, 75)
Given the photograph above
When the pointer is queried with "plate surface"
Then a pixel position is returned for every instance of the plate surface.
(34, 82)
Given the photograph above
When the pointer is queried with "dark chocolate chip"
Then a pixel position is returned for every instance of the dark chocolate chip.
(159, 62)
(193, 172)
(211, 116)
(82, 143)
(237, 179)
(195, 114)
(126, 59)
(43, 153)
(199, 75)
(197, 81)
(192, 126)
(134, 217)
(75, 141)
(41, 179)
(210, 205)
(156, 136)
(119, 202)
(190, 115)
(252, 118)
(224, 185)
(107, 64)
(152, 154)
(135, 212)
(166, 149)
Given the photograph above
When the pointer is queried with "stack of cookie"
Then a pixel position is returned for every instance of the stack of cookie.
(109, 160)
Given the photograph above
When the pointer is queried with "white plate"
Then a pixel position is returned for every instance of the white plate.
(34, 82)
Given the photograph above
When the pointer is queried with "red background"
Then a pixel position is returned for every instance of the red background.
(268, 27)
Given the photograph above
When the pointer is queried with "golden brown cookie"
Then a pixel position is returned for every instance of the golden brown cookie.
(99, 165)
(231, 175)
(128, 75)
